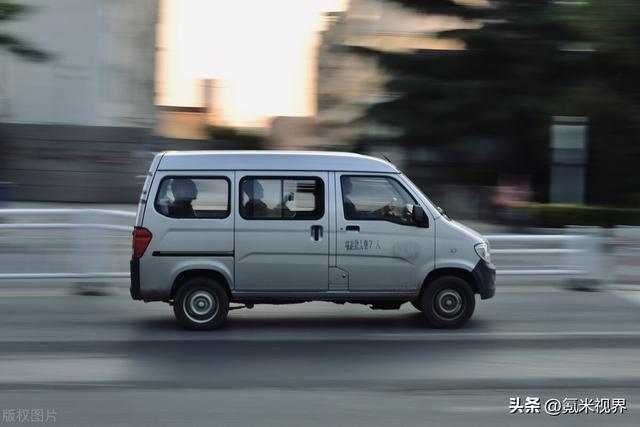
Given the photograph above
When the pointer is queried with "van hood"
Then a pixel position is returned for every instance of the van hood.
(463, 229)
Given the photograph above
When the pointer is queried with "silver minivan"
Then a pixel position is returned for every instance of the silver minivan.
(277, 227)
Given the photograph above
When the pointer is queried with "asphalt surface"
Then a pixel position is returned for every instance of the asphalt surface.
(110, 361)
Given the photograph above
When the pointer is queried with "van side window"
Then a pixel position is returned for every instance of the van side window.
(187, 197)
(376, 198)
(281, 198)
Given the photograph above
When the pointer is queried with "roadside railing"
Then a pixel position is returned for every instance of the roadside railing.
(95, 244)
(539, 254)
(79, 244)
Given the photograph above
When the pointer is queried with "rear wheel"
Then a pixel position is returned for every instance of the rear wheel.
(448, 302)
(416, 304)
(201, 304)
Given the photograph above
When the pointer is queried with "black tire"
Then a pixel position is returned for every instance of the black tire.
(416, 304)
(201, 304)
(448, 302)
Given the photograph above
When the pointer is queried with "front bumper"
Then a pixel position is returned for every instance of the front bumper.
(485, 275)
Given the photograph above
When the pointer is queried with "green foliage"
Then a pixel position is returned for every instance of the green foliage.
(557, 215)
(499, 83)
(240, 139)
(9, 11)
(608, 92)
(524, 62)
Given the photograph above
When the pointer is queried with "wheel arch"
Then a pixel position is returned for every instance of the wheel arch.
(461, 273)
(186, 275)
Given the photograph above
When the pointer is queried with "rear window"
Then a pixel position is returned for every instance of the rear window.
(193, 197)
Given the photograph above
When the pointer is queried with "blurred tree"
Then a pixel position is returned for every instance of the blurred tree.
(525, 61)
(234, 138)
(608, 92)
(498, 91)
(9, 11)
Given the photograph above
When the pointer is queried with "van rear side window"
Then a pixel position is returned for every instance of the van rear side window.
(193, 197)
(282, 198)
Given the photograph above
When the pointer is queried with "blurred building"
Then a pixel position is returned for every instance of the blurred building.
(70, 125)
(103, 67)
(182, 122)
(189, 122)
(294, 133)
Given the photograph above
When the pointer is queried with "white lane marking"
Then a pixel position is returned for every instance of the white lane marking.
(39, 294)
(631, 296)
(509, 335)
(505, 408)
(56, 293)
(71, 369)
(342, 337)
(487, 408)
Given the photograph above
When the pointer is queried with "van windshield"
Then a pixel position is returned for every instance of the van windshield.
(440, 210)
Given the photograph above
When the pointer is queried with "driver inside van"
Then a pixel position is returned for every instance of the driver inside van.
(388, 211)
(350, 211)
(184, 192)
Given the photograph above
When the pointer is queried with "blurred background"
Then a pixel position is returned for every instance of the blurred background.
(519, 117)
(514, 116)
(515, 112)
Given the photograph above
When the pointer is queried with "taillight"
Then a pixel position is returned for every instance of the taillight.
(141, 239)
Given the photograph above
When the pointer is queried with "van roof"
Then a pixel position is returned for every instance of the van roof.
(273, 160)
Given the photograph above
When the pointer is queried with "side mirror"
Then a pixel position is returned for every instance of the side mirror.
(419, 216)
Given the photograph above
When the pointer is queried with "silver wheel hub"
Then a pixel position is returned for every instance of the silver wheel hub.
(200, 306)
(448, 303)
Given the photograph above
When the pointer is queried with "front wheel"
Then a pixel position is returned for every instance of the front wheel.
(201, 304)
(448, 302)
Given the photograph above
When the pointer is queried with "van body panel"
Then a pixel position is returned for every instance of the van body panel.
(453, 262)
(332, 296)
(145, 189)
(455, 245)
(223, 265)
(178, 242)
(282, 255)
(338, 279)
(160, 275)
(380, 255)
(273, 161)
(189, 234)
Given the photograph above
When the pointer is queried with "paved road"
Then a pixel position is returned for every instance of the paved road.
(108, 361)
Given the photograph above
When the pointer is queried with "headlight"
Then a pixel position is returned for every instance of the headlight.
(482, 249)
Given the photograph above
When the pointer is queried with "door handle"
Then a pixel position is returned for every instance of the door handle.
(316, 232)
(353, 228)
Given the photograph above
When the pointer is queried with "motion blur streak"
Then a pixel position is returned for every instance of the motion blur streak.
(315, 363)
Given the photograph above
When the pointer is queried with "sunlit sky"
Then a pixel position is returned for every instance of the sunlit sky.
(261, 53)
